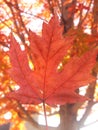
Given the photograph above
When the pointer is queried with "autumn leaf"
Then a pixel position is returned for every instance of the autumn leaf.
(45, 84)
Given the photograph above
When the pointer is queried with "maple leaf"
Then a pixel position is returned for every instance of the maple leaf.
(45, 84)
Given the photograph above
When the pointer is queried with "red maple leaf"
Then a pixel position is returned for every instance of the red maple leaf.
(45, 83)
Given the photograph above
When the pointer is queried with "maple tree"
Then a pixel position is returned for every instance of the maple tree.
(48, 68)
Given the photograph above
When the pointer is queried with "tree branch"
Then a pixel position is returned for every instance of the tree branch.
(89, 124)
(90, 93)
(28, 116)
(82, 20)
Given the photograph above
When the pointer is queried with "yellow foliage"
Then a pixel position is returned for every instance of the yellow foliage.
(18, 125)
(96, 92)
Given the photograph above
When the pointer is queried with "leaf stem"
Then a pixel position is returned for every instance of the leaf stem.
(45, 115)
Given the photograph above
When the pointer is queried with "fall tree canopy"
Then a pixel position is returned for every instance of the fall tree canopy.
(46, 67)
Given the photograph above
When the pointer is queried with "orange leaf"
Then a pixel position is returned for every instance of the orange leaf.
(45, 84)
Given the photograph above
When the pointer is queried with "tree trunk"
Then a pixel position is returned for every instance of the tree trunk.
(95, 17)
(68, 118)
(67, 115)
(67, 15)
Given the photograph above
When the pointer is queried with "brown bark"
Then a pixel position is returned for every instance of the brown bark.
(95, 17)
(67, 114)
(68, 118)
(67, 11)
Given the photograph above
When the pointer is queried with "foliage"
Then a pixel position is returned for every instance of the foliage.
(48, 67)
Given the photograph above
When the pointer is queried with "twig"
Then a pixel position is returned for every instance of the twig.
(82, 20)
(16, 24)
(14, 19)
(34, 16)
(21, 20)
(50, 6)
